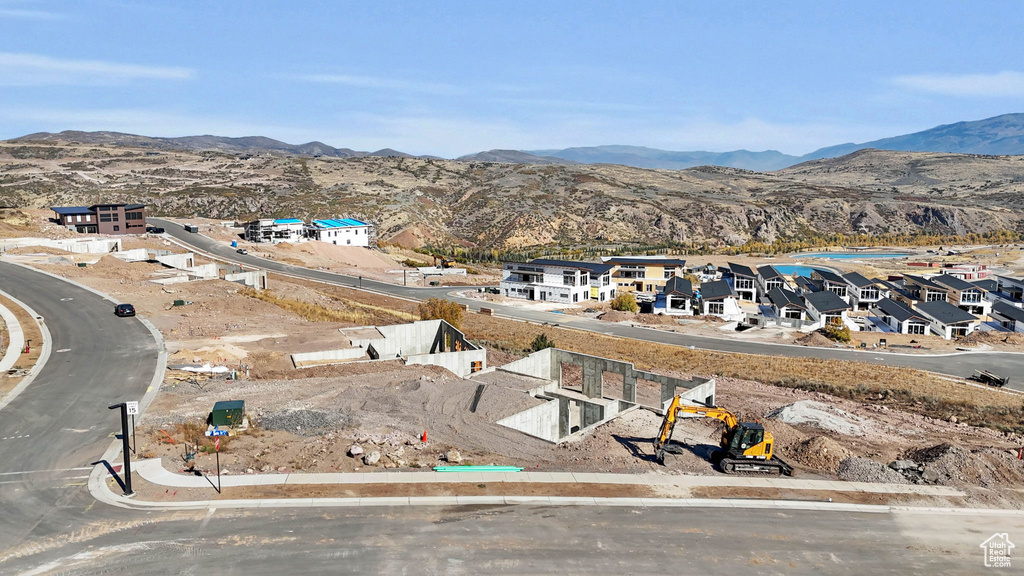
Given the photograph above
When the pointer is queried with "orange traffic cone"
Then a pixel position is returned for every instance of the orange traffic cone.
(424, 438)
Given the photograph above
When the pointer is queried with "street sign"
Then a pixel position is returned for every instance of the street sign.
(133, 408)
(216, 432)
(216, 444)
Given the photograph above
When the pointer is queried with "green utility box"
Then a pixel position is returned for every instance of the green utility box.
(179, 302)
(81, 264)
(228, 413)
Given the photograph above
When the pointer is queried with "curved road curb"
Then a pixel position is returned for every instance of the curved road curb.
(44, 355)
(15, 334)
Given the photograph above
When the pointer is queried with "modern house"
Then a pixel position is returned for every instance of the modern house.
(560, 281)
(947, 320)
(832, 282)
(341, 231)
(805, 284)
(275, 231)
(113, 218)
(644, 274)
(680, 298)
(924, 289)
(1008, 316)
(744, 281)
(769, 278)
(966, 296)
(968, 272)
(718, 299)
(1011, 287)
(900, 318)
(863, 292)
(787, 304)
(826, 307)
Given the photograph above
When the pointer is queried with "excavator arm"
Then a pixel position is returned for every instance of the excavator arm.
(672, 413)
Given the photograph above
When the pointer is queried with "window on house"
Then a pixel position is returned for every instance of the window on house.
(915, 328)
(669, 273)
(716, 307)
(958, 331)
(575, 297)
(117, 228)
(568, 279)
(935, 297)
(791, 313)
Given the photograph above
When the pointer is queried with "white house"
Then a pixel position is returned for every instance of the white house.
(718, 299)
(275, 231)
(341, 231)
(1008, 316)
(862, 291)
(832, 282)
(1011, 287)
(769, 278)
(560, 281)
(787, 305)
(968, 297)
(679, 297)
(826, 307)
(744, 281)
(900, 318)
(947, 320)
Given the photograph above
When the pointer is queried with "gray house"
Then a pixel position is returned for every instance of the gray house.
(1008, 316)
(901, 318)
(947, 320)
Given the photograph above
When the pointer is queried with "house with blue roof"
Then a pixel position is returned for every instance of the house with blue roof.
(341, 231)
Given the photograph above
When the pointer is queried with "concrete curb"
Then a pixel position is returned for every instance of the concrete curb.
(44, 355)
(16, 335)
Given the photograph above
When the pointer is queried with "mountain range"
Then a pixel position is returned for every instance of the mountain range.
(997, 136)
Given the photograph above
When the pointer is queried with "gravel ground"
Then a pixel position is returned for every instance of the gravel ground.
(867, 470)
(304, 422)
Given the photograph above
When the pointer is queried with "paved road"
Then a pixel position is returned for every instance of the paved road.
(51, 524)
(524, 540)
(961, 364)
(60, 423)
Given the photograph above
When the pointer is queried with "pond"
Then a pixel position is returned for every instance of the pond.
(853, 255)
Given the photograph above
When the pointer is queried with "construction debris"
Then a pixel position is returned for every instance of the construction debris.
(304, 422)
(867, 470)
(820, 452)
(820, 415)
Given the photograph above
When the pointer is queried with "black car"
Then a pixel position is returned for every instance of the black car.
(155, 230)
(124, 310)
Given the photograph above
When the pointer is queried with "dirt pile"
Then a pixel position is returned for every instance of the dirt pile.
(1008, 338)
(821, 453)
(304, 422)
(867, 470)
(814, 339)
(820, 415)
(952, 464)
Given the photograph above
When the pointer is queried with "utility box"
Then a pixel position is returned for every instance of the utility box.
(228, 413)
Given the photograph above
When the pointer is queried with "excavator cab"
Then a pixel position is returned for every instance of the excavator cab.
(748, 439)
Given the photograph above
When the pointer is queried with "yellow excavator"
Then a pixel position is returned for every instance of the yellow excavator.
(745, 446)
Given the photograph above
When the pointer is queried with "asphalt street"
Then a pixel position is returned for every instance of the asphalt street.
(959, 364)
(60, 424)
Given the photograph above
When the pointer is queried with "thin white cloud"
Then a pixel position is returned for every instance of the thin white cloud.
(1000, 84)
(18, 69)
(379, 83)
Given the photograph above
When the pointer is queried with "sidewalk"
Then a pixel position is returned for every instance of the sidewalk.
(152, 471)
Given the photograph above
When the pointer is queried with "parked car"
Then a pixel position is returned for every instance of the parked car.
(155, 230)
(242, 251)
(124, 310)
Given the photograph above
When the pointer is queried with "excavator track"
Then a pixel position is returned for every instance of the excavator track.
(773, 466)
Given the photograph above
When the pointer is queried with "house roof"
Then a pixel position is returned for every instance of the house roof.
(288, 221)
(898, 310)
(768, 272)
(134, 206)
(716, 290)
(988, 285)
(338, 223)
(944, 312)
(651, 261)
(952, 282)
(922, 281)
(71, 210)
(741, 270)
(830, 276)
(857, 279)
(677, 285)
(595, 267)
(808, 283)
(1008, 310)
(826, 301)
(782, 298)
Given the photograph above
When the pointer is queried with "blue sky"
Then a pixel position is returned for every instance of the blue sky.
(452, 78)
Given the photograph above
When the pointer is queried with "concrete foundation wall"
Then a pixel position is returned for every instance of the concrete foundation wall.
(134, 255)
(180, 261)
(539, 421)
(307, 359)
(538, 365)
(253, 279)
(205, 271)
(458, 363)
(73, 245)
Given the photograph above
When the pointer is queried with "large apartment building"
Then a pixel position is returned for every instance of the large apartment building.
(116, 218)
(642, 274)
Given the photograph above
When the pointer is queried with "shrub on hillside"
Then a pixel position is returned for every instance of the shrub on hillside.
(541, 342)
(625, 302)
(439, 309)
(837, 332)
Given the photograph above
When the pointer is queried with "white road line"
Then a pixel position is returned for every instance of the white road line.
(45, 471)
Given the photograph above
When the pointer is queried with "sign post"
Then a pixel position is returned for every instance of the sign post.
(124, 440)
(216, 449)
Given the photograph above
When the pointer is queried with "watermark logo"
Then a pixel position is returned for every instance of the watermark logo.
(997, 550)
